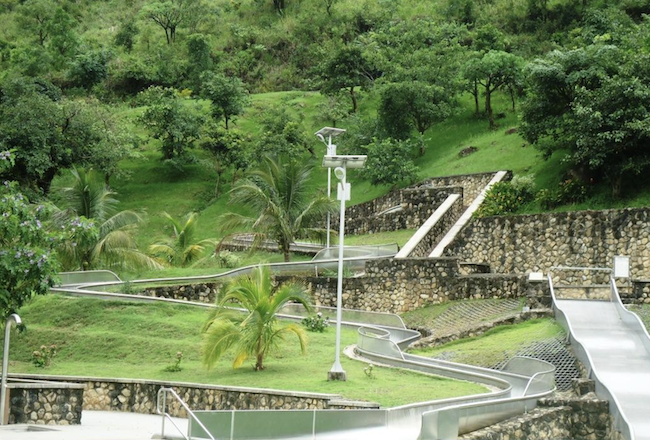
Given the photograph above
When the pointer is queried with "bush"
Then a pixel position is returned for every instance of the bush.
(569, 191)
(390, 163)
(43, 358)
(228, 260)
(316, 323)
(176, 366)
(507, 197)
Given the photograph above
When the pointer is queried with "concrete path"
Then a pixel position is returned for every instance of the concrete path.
(97, 425)
(619, 356)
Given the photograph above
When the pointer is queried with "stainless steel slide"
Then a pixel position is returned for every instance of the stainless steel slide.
(381, 339)
(614, 345)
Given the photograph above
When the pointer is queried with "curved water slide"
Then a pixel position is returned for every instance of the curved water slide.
(382, 337)
(614, 346)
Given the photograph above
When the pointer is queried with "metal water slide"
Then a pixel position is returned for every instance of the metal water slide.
(614, 346)
(382, 337)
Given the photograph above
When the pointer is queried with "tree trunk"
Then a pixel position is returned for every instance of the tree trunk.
(512, 98)
(354, 100)
(476, 105)
(259, 364)
(617, 186)
(107, 180)
(225, 117)
(488, 106)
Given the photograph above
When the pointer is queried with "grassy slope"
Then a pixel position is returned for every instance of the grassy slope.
(129, 340)
(488, 349)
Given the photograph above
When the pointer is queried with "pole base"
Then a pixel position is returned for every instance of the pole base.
(337, 375)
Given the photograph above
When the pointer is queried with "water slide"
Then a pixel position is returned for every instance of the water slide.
(382, 337)
(614, 345)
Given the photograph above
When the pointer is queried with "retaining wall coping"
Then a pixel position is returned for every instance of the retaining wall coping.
(300, 394)
(44, 385)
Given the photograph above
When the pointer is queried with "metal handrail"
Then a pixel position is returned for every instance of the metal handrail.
(163, 391)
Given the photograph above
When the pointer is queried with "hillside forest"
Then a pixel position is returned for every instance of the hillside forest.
(165, 106)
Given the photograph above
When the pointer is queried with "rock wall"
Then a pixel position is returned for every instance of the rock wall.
(438, 231)
(45, 404)
(524, 243)
(398, 286)
(201, 292)
(140, 396)
(417, 206)
(472, 184)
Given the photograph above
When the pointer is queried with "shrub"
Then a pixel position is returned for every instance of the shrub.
(43, 358)
(506, 197)
(316, 323)
(176, 366)
(569, 191)
(228, 260)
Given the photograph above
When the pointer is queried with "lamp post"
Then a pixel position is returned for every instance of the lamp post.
(5, 365)
(340, 165)
(329, 133)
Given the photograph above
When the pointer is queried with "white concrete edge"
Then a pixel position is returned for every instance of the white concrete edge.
(466, 217)
(427, 226)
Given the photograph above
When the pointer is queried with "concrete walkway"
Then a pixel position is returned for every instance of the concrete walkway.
(98, 425)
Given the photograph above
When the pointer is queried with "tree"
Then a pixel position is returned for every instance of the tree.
(228, 96)
(283, 134)
(414, 104)
(390, 163)
(181, 248)
(494, 71)
(256, 331)
(89, 68)
(64, 40)
(90, 206)
(126, 34)
(170, 120)
(27, 263)
(200, 59)
(346, 69)
(35, 16)
(169, 15)
(48, 133)
(591, 104)
(282, 203)
(228, 150)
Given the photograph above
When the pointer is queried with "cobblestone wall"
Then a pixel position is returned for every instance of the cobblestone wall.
(417, 206)
(139, 396)
(472, 184)
(519, 244)
(45, 405)
(398, 286)
(202, 292)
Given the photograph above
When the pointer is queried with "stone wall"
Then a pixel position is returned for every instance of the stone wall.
(201, 292)
(417, 206)
(398, 286)
(139, 396)
(438, 231)
(45, 404)
(472, 184)
(554, 419)
(524, 243)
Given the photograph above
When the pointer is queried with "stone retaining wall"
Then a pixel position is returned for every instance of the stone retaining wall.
(139, 396)
(524, 243)
(438, 231)
(398, 286)
(201, 292)
(45, 404)
(555, 419)
(472, 184)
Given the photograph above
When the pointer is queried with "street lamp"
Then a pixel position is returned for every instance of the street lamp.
(340, 165)
(5, 365)
(329, 133)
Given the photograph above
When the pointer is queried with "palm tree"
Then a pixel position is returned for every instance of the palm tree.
(180, 249)
(256, 331)
(282, 203)
(114, 245)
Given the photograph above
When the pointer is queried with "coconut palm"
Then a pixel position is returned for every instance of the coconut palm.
(257, 330)
(283, 204)
(114, 244)
(181, 249)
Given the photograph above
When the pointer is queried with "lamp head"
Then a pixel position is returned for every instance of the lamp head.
(339, 172)
(321, 138)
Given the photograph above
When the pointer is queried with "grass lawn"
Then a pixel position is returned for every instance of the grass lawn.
(132, 340)
(400, 237)
(489, 348)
